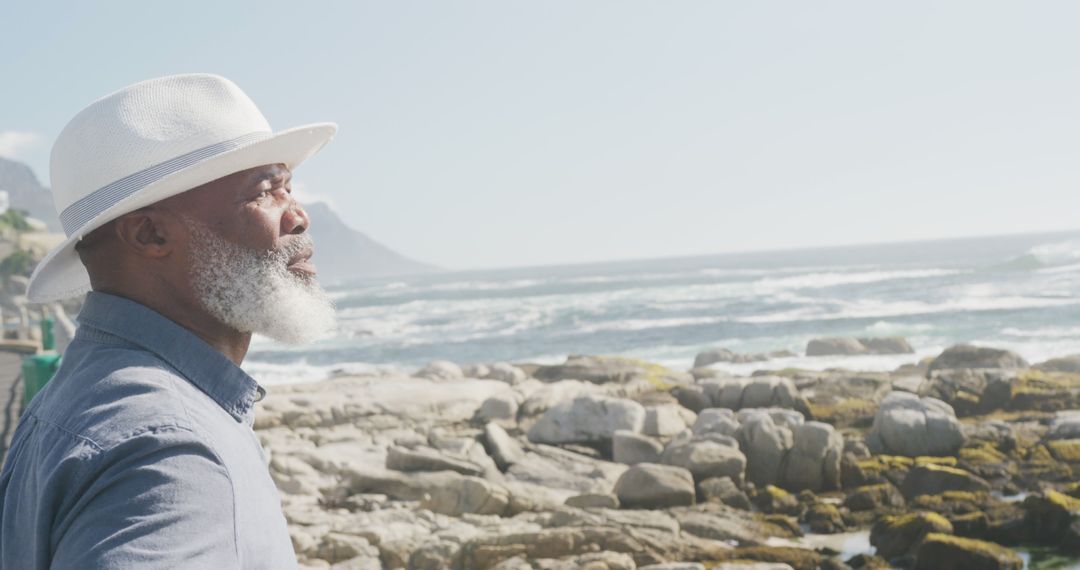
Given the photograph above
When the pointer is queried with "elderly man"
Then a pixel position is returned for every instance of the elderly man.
(176, 199)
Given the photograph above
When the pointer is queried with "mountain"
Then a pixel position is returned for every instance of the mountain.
(25, 192)
(344, 254)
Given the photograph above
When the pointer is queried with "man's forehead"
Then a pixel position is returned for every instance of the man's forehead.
(272, 172)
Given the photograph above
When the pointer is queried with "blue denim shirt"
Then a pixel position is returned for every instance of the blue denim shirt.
(139, 453)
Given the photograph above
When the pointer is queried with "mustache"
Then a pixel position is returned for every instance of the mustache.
(291, 248)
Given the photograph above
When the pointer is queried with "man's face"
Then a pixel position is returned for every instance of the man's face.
(254, 209)
(249, 256)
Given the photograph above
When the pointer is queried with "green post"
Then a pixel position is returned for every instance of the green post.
(48, 341)
(37, 370)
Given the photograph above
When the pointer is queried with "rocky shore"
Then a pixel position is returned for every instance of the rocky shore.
(611, 463)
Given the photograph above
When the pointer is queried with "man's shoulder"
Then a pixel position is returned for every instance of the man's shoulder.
(106, 394)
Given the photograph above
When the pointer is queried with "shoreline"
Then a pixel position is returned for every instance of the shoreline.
(500, 466)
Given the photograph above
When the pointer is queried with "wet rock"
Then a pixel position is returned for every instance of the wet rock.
(1053, 518)
(716, 355)
(835, 347)
(874, 497)
(897, 536)
(502, 448)
(930, 479)
(968, 356)
(824, 518)
(857, 346)
(1065, 425)
(962, 388)
(946, 551)
(774, 500)
(653, 486)
(587, 419)
(911, 426)
(631, 448)
(724, 490)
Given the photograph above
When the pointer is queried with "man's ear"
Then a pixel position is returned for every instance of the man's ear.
(149, 232)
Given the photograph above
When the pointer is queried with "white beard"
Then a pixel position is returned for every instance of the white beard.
(253, 291)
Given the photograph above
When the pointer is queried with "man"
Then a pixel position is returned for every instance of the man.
(176, 199)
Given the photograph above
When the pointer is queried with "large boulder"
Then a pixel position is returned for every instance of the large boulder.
(969, 356)
(705, 459)
(897, 536)
(766, 446)
(587, 419)
(1070, 364)
(1053, 518)
(789, 453)
(846, 346)
(665, 420)
(631, 448)
(946, 551)
(652, 486)
(715, 355)
(911, 426)
(970, 391)
(813, 463)
(716, 420)
(756, 392)
(931, 479)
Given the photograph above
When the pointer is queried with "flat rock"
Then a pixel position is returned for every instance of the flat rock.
(427, 459)
(612, 369)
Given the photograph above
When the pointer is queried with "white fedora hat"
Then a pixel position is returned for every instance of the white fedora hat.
(145, 143)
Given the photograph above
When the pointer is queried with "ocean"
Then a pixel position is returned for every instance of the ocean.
(1017, 292)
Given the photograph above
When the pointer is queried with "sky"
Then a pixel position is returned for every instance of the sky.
(501, 133)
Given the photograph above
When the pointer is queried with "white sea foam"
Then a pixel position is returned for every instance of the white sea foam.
(298, 372)
(869, 308)
(1058, 253)
(1043, 332)
(833, 279)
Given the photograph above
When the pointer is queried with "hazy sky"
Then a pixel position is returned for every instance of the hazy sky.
(497, 133)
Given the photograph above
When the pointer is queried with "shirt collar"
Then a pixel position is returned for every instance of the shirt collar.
(201, 364)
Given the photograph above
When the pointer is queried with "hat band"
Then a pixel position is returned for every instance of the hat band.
(77, 215)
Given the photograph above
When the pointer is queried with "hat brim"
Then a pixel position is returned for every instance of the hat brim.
(61, 275)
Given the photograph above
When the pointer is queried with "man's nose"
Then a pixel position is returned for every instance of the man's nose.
(295, 220)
